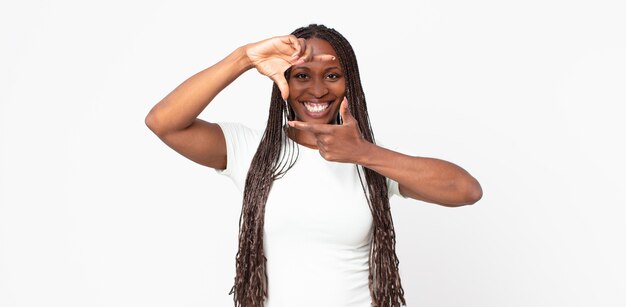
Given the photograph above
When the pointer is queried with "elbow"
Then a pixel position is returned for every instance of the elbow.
(461, 193)
(472, 192)
(152, 123)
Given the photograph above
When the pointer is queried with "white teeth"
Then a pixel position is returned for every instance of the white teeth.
(316, 107)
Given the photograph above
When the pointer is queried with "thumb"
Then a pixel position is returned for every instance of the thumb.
(346, 116)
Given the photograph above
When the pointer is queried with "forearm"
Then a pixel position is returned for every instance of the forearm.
(181, 107)
(426, 179)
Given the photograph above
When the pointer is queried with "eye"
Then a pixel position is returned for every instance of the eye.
(333, 76)
(300, 76)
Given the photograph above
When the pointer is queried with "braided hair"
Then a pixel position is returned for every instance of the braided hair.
(274, 157)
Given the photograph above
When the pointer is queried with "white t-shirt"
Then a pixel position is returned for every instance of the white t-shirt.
(317, 229)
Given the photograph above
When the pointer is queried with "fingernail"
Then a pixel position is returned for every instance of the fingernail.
(290, 123)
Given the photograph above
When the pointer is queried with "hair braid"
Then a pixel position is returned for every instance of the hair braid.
(271, 162)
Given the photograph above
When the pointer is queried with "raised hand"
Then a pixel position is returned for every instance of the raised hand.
(338, 143)
(273, 56)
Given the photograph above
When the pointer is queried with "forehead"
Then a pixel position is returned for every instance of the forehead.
(319, 47)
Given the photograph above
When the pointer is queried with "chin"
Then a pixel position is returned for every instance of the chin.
(325, 120)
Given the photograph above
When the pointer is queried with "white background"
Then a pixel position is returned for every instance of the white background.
(96, 211)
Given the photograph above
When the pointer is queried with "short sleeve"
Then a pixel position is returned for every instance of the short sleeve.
(241, 145)
(393, 188)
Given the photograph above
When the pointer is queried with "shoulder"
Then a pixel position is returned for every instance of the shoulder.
(240, 133)
(241, 144)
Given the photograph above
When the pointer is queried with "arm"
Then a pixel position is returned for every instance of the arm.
(427, 179)
(174, 119)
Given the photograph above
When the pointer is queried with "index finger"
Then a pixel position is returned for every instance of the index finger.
(322, 58)
(312, 127)
(315, 58)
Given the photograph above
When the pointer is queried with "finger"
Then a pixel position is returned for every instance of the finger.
(307, 53)
(299, 46)
(322, 58)
(311, 127)
(297, 57)
(282, 84)
(302, 44)
(297, 60)
(344, 110)
(291, 41)
(322, 149)
(315, 58)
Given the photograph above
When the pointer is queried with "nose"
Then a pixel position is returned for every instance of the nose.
(318, 88)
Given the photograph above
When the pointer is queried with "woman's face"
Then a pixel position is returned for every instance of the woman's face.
(317, 88)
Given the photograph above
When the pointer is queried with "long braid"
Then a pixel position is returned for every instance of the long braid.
(384, 278)
(270, 163)
(250, 288)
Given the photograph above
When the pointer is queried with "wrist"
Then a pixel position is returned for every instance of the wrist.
(366, 152)
(242, 58)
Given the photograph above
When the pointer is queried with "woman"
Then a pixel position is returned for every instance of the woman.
(315, 226)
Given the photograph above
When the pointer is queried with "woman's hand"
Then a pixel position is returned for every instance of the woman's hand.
(427, 179)
(338, 143)
(273, 56)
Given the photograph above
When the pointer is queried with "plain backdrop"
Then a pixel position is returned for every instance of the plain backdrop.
(526, 95)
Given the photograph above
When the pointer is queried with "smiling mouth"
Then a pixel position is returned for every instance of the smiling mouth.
(316, 107)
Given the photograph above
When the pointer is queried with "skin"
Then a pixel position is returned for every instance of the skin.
(174, 119)
(315, 81)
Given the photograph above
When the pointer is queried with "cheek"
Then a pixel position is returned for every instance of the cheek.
(295, 89)
(339, 86)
